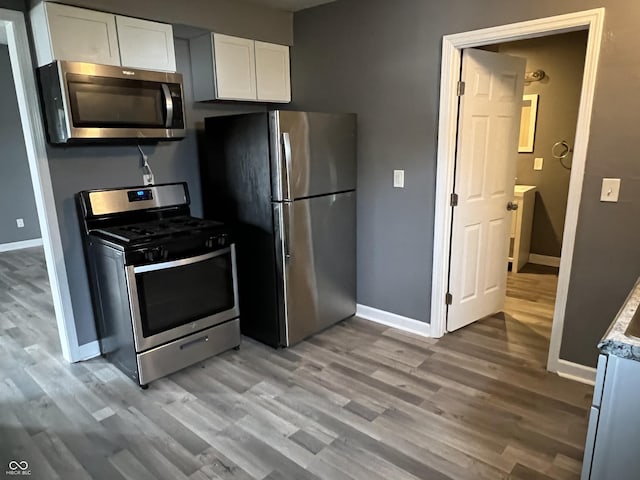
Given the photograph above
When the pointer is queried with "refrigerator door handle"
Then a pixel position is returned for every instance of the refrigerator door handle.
(288, 225)
(286, 143)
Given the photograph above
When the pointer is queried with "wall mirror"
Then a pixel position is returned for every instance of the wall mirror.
(528, 123)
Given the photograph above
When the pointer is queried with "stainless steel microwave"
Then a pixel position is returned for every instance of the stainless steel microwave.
(84, 102)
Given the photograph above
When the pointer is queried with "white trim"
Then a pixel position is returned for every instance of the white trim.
(8, 247)
(452, 46)
(35, 143)
(576, 372)
(581, 143)
(392, 320)
(88, 350)
(544, 260)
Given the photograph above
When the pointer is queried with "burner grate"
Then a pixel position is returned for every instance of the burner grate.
(177, 226)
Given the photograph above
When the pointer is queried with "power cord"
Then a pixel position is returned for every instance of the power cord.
(147, 173)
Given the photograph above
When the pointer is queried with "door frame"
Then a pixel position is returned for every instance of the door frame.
(452, 46)
(35, 143)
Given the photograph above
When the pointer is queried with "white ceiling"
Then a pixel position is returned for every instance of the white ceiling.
(290, 5)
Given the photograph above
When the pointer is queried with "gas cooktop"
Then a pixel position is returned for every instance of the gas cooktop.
(172, 227)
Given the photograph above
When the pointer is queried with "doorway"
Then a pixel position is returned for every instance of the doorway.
(452, 53)
(555, 67)
(13, 33)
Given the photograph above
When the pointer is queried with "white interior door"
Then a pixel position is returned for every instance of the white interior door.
(488, 129)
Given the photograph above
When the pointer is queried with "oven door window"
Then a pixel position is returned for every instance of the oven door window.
(98, 102)
(175, 296)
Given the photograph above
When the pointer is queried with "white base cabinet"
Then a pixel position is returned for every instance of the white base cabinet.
(234, 68)
(62, 32)
(611, 449)
(521, 226)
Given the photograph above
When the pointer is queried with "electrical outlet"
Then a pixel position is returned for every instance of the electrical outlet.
(610, 190)
(147, 179)
(537, 163)
(398, 178)
(20, 222)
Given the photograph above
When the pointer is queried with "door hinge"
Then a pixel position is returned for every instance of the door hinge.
(448, 299)
(461, 86)
(454, 200)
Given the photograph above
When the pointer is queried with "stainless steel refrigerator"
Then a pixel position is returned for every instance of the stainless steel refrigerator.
(286, 181)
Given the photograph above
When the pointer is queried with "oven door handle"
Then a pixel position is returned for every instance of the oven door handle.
(182, 262)
(168, 102)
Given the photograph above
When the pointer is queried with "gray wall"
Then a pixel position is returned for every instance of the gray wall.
(16, 192)
(562, 58)
(231, 17)
(13, 4)
(79, 168)
(381, 60)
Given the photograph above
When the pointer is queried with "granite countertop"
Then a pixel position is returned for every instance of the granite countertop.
(615, 342)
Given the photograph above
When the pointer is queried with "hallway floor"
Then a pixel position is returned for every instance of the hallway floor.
(531, 297)
(358, 401)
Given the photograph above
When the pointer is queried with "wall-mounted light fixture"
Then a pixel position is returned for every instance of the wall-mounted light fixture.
(534, 76)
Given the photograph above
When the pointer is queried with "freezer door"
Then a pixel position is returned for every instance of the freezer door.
(317, 255)
(312, 154)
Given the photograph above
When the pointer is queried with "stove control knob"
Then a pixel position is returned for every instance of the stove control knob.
(224, 239)
(154, 254)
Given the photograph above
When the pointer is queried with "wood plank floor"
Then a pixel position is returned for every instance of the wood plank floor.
(359, 401)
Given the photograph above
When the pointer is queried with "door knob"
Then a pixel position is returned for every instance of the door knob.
(512, 206)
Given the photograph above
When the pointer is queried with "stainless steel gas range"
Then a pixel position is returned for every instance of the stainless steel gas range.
(163, 283)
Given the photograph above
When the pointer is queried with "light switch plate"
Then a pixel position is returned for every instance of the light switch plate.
(20, 222)
(537, 163)
(398, 178)
(610, 190)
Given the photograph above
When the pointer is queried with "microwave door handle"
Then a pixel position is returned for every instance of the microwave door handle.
(168, 101)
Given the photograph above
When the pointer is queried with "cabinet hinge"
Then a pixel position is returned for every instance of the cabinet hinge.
(448, 299)
(454, 200)
(461, 86)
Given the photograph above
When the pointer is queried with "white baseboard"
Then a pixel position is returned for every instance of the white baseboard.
(7, 247)
(577, 372)
(544, 260)
(392, 320)
(87, 351)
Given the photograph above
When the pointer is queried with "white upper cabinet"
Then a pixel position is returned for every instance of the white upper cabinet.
(68, 33)
(62, 32)
(145, 44)
(273, 77)
(233, 68)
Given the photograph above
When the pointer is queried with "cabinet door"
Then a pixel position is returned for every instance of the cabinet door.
(235, 68)
(82, 35)
(145, 44)
(273, 76)
(589, 444)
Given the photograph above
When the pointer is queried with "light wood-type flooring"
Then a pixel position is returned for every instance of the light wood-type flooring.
(358, 401)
